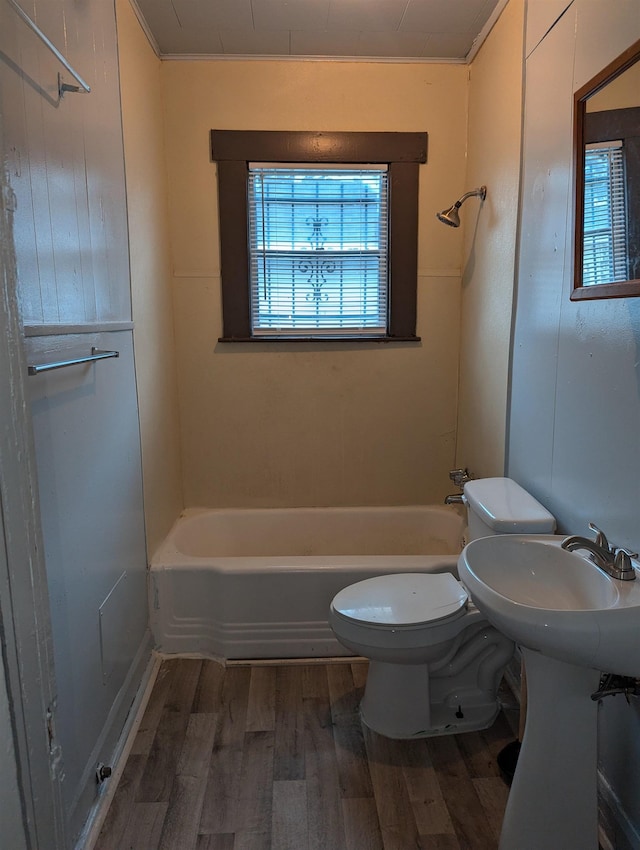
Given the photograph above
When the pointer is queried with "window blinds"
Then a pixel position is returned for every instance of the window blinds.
(318, 246)
(605, 216)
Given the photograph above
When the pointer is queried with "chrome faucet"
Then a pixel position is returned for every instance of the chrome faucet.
(454, 499)
(459, 478)
(615, 562)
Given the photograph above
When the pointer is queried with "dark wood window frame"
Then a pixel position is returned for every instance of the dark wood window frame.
(233, 150)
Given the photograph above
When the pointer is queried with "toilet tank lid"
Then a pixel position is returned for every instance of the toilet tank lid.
(507, 508)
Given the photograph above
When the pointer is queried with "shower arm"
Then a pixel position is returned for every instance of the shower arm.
(480, 192)
(450, 216)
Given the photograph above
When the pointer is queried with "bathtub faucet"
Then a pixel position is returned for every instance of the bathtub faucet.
(454, 499)
(459, 478)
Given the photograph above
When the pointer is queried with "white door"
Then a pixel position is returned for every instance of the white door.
(31, 800)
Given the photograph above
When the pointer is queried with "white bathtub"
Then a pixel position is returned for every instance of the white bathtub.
(258, 583)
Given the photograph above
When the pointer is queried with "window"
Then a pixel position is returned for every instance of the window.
(318, 249)
(318, 234)
(605, 215)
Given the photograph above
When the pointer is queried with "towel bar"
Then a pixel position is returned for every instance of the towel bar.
(96, 354)
(62, 87)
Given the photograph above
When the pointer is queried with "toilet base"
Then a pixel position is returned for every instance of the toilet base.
(472, 722)
(405, 701)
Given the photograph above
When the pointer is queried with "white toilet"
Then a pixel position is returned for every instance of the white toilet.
(435, 662)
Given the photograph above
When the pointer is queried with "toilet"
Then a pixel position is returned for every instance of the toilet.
(435, 662)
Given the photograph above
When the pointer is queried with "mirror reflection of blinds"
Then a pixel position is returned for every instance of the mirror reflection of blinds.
(318, 247)
(605, 214)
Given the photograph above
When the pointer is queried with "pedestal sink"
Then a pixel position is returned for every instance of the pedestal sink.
(572, 622)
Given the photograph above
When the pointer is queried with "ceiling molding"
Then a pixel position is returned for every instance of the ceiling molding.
(239, 57)
(145, 28)
(484, 32)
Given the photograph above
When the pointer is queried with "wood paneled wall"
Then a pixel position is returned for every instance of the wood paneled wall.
(66, 164)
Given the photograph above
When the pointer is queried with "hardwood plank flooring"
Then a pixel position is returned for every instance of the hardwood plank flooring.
(275, 758)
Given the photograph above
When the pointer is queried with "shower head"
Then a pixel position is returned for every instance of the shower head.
(451, 216)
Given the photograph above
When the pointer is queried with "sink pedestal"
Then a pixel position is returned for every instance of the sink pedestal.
(553, 799)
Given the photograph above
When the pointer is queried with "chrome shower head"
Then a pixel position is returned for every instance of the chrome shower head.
(450, 216)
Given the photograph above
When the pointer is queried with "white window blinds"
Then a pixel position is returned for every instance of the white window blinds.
(605, 216)
(318, 245)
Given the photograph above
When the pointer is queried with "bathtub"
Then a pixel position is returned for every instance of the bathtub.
(258, 583)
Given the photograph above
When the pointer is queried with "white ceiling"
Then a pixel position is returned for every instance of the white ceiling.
(386, 29)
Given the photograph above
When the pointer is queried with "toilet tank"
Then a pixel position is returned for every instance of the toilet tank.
(501, 506)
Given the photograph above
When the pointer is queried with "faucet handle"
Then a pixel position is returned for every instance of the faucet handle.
(623, 565)
(601, 538)
(460, 477)
(622, 562)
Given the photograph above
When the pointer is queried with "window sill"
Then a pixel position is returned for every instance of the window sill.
(307, 339)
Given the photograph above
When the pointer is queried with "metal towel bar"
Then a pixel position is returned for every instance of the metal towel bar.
(96, 354)
(62, 87)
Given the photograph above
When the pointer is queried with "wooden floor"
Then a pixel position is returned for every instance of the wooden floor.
(275, 758)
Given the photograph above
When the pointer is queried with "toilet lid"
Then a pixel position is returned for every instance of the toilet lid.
(402, 599)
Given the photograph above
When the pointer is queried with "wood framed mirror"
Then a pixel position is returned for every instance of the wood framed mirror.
(607, 181)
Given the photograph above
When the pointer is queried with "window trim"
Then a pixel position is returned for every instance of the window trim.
(401, 152)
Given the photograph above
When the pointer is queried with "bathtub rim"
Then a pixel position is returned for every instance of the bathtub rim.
(292, 563)
(168, 552)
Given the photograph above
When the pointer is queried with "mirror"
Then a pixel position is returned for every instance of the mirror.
(607, 178)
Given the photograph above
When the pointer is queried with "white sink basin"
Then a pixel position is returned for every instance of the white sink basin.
(555, 602)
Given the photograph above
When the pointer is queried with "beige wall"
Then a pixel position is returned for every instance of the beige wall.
(325, 423)
(150, 276)
(490, 244)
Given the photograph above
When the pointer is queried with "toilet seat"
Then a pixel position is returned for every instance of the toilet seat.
(403, 601)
